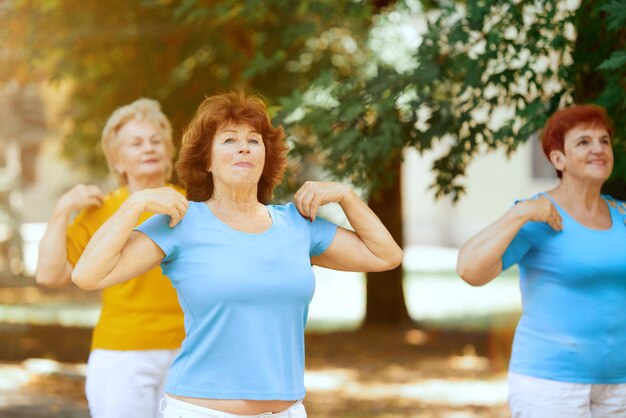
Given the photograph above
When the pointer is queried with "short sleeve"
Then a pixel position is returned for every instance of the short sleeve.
(618, 205)
(322, 233)
(516, 250)
(77, 236)
(158, 230)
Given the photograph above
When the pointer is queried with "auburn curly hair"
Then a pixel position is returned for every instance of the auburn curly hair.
(586, 115)
(214, 113)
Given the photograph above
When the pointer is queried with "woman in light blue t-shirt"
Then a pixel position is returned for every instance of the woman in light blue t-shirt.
(569, 350)
(241, 267)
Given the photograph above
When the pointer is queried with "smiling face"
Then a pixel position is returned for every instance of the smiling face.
(141, 151)
(237, 156)
(587, 154)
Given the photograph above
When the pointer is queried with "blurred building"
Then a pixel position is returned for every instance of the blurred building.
(493, 182)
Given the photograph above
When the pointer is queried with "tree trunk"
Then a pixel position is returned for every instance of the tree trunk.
(385, 296)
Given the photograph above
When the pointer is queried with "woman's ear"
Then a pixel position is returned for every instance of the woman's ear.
(557, 158)
(119, 169)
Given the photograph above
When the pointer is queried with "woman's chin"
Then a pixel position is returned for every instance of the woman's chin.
(150, 172)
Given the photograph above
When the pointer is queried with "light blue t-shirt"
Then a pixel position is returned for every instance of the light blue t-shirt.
(573, 283)
(245, 298)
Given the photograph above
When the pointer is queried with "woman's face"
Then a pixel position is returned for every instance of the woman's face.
(237, 156)
(587, 154)
(141, 151)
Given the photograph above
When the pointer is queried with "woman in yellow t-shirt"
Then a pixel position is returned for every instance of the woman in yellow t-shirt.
(141, 324)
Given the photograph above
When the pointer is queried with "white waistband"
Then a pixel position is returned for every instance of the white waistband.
(168, 400)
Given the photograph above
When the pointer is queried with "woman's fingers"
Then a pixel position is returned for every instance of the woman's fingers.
(177, 208)
(95, 191)
(94, 201)
(555, 223)
(555, 217)
(312, 195)
(167, 202)
(302, 199)
(180, 210)
(316, 202)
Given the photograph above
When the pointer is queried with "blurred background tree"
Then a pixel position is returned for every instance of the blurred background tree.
(484, 75)
(176, 52)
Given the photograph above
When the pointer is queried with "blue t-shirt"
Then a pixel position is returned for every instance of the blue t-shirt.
(245, 298)
(573, 283)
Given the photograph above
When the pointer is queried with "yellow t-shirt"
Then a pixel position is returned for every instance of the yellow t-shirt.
(140, 314)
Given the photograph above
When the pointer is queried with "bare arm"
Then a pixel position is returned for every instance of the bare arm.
(116, 253)
(480, 258)
(370, 247)
(53, 268)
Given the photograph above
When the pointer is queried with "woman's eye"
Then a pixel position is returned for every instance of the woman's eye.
(583, 142)
(229, 140)
(253, 140)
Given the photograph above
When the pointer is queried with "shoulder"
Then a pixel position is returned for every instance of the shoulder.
(194, 211)
(286, 211)
(178, 188)
(620, 205)
(99, 214)
(287, 216)
(534, 229)
(533, 197)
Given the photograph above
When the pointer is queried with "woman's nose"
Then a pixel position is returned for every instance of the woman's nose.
(596, 146)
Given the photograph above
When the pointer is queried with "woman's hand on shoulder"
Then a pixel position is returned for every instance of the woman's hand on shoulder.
(540, 210)
(161, 200)
(80, 197)
(617, 204)
(314, 194)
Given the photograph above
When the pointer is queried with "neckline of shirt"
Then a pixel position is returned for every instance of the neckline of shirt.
(614, 221)
(204, 208)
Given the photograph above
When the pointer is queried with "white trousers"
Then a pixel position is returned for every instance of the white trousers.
(175, 408)
(126, 383)
(532, 397)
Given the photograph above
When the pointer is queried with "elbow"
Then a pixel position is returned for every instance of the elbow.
(396, 259)
(393, 261)
(471, 276)
(82, 280)
(47, 280)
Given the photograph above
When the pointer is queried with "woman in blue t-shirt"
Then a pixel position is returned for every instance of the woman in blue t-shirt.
(569, 351)
(241, 267)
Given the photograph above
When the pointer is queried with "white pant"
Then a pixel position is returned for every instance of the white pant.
(532, 397)
(175, 408)
(126, 383)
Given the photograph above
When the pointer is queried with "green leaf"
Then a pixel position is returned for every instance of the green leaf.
(616, 61)
(616, 12)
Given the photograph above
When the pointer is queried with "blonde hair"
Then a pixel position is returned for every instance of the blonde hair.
(145, 110)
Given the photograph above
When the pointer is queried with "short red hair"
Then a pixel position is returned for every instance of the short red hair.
(587, 115)
(214, 113)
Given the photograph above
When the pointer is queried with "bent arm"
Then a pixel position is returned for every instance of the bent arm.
(480, 258)
(116, 253)
(53, 268)
(369, 248)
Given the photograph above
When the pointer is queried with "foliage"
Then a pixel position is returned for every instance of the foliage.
(488, 74)
(612, 71)
(177, 52)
